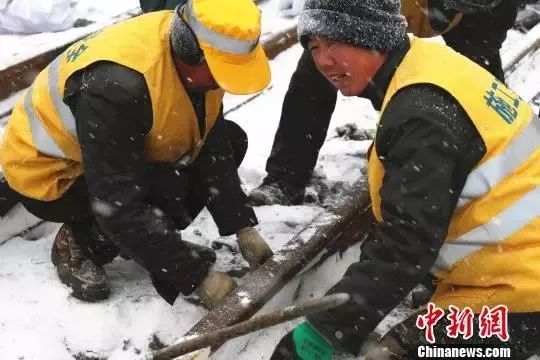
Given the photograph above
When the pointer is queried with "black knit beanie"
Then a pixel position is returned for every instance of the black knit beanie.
(368, 24)
(471, 6)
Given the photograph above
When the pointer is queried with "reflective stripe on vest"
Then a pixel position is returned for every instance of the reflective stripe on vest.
(219, 41)
(479, 183)
(511, 220)
(43, 141)
(493, 171)
(66, 116)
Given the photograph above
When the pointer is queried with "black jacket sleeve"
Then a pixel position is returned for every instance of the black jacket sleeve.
(158, 5)
(427, 145)
(471, 6)
(216, 171)
(113, 113)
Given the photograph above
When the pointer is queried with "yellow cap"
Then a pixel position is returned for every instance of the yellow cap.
(228, 33)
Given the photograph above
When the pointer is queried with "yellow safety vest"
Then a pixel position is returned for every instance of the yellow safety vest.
(417, 14)
(491, 255)
(40, 154)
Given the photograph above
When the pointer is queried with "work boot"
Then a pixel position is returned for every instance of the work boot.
(87, 280)
(276, 193)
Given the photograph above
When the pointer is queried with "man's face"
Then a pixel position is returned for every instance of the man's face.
(196, 78)
(347, 67)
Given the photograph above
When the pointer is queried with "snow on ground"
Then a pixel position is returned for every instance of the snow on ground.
(40, 320)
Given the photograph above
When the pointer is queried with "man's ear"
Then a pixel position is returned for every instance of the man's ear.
(184, 43)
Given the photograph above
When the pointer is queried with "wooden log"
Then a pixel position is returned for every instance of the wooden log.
(280, 42)
(531, 43)
(256, 323)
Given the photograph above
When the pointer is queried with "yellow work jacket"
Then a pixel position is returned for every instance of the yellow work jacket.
(417, 14)
(491, 255)
(40, 154)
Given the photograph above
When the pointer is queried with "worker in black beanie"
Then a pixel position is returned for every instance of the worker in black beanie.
(454, 179)
(475, 29)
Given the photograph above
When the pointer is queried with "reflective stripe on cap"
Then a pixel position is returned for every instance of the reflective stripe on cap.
(219, 41)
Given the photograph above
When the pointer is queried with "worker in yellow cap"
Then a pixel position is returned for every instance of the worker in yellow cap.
(122, 139)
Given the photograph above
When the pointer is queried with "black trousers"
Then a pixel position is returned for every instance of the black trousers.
(177, 193)
(8, 197)
(311, 99)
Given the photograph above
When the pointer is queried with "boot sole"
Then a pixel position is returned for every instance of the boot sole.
(78, 289)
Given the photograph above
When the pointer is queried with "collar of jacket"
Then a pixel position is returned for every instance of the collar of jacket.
(376, 89)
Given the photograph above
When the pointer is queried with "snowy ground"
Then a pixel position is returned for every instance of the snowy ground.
(40, 320)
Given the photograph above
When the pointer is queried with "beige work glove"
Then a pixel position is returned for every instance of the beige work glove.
(215, 286)
(253, 248)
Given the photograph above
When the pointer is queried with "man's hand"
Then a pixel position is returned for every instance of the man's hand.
(216, 286)
(253, 247)
(304, 343)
